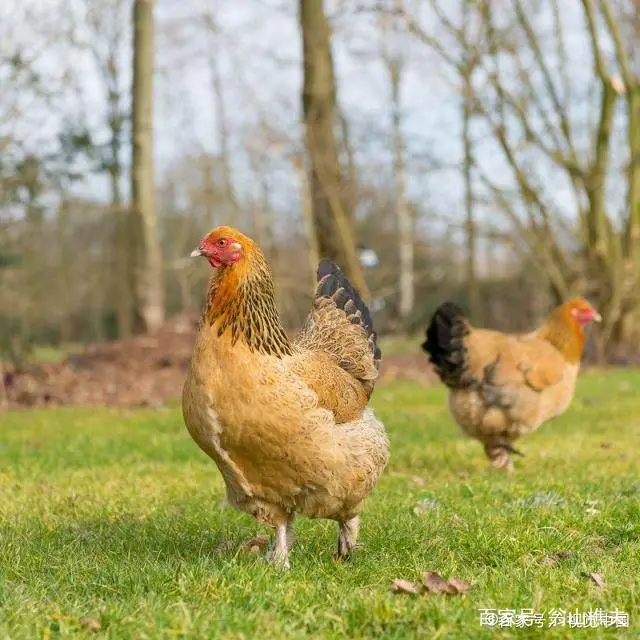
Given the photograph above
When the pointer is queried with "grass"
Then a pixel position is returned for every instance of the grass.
(115, 515)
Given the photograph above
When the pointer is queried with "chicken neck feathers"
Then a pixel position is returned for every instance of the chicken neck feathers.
(241, 304)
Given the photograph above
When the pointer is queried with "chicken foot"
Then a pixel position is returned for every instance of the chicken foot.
(347, 535)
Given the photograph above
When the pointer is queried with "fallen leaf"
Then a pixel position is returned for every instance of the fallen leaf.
(554, 558)
(435, 583)
(404, 586)
(90, 623)
(256, 544)
(461, 586)
(596, 577)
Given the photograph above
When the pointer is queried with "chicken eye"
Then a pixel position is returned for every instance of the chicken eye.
(222, 242)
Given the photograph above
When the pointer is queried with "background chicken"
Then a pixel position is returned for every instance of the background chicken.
(503, 386)
(286, 421)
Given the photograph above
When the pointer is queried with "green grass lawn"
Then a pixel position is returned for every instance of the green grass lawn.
(116, 515)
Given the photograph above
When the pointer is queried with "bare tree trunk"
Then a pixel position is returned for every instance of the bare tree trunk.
(260, 205)
(64, 274)
(223, 137)
(148, 280)
(473, 299)
(122, 268)
(332, 220)
(351, 168)
(404, 218)
(466, 71)
(107, 34)
(307, 216)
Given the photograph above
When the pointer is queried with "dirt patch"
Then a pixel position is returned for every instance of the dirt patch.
(142, 371)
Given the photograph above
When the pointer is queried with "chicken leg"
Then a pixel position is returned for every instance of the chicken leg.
(499, 454)
(279, 553)
(347, 536)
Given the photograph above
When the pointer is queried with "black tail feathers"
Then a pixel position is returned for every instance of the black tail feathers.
(445, 344)
(332, 283)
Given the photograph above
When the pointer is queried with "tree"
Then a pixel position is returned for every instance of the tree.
(467, 66)
(333, 220)
(214, 50)
(107, 32)
(148, 280)
(460, 48)
(394, 61)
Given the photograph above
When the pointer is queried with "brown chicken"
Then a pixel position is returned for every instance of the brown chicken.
(504, 386)
(286, 421)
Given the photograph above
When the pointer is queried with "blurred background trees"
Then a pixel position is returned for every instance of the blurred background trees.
(484, 151)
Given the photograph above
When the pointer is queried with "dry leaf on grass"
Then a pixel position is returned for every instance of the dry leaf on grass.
(90, 623)
(432, 582)
(461, 586)
(435, 583)
(596, 577)
(256, 544)
(554, 558)
(404, 586)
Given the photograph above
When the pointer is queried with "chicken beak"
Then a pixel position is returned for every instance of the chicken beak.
(597, 318)
(196, 253)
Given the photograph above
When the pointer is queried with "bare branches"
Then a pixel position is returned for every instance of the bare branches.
(622, 55)
(598, 61)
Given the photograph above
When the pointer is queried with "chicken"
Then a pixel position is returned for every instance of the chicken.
(504, 386)
(286, 421)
